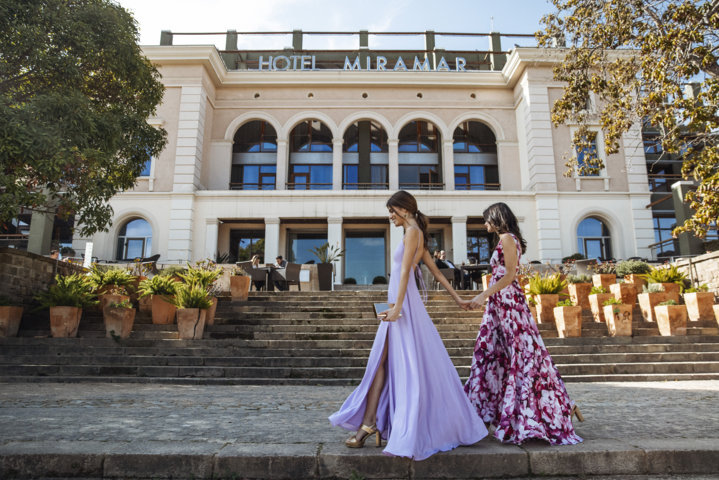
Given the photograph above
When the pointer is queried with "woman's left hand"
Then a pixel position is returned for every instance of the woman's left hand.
(478, 301)
(393, 314)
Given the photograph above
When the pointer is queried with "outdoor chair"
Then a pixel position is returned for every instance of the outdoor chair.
(449, 275)
(290, 275)
(246, 266)
(151, 263)
(258, 276)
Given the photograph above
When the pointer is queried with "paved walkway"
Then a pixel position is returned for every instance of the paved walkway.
(630, 428)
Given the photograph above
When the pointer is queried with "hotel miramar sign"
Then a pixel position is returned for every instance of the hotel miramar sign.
(377, 64)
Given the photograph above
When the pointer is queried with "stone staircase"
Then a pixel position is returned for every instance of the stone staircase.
(324, 338)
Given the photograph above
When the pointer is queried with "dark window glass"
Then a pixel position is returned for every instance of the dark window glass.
(311, 136)
(253, 177)
(474, 137)
(134, 240)
(256, 136)
(311, 177)
(146, 169)
(364, 256)
(300, 246)
(419, 177)
(593, 239)
(479, 245)
(584, 154)
(244, 244)
(350, 177)
(420, 137)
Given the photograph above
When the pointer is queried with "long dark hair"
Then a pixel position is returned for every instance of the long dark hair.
(405, 200)
(501, 216)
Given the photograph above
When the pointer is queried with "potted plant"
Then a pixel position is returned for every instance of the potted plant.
(161, 288)
(624, 292)
(173, 272)
(532, 303)
(326, 254)
(239, 284)
(671, 318)
(104, 279)
(119, 317)
(619, 317)
(597, 297)
(670, 277)
(545, 290)
(633, 271)
(699, 301)
(652, 296)
(10, 316)
(65, 299)
(192, 302)
(579, 288)
(113, 293)
(204, 274)
(604, 275)
(568, 319)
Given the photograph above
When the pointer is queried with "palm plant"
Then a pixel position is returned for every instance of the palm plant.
(68, 291)
(200, 276)
(328, 253)
(546, 284)
(670, 274)
(192, 296)
(102, 277)
(158, 285)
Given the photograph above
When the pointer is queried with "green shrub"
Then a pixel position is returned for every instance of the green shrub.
(612, 301)
(653, 288)
(191, 296)
(669, 302)
(565, 303)
(629, 267)
(579, 279)
(172, 270)
(68, 291)
(350, 281)
(5, 301)
(158, 285)
(531, 301)
(122, 304)
(573, 258)
(604, 268)
(205, 277)
(669, 274)
(102, 277)
(379, 280)
(699, 288)
(547, 284)
(597, 290)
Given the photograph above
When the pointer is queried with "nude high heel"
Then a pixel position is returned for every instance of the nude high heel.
(576, 412)
(353, 442)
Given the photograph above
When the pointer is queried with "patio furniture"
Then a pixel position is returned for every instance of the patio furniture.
(290, 275)
(259, 277)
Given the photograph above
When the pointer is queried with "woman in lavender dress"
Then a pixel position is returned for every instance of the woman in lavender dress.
(411, 394)
(513, 382)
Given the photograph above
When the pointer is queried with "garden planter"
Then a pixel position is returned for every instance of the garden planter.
(568, 321)
(671, 319)
(647, 302)
(64, 321)
(673, 290)
(545, 306)
(107, 299)
(134, 287)
(635, 279)
(625, 293)
(699, 306)
(619, 320)
(145, 304)
(533, 311)
(190, 323)
(324, 276)
(596, 301)
(240, 287)
(210, 317)
(118, 321)
(10, 321)
(579, 293)
(604, 280)
(163, 312)
(716, 313)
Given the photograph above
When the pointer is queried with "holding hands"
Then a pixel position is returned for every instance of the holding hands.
(473, 304)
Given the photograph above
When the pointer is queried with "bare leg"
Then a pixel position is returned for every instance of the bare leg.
(370, 413)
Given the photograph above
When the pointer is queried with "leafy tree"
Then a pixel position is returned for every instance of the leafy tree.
(637, 57)
(75, 95)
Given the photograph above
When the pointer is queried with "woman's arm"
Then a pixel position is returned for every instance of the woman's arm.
(509, 248)
(411, 242)
(427, 259)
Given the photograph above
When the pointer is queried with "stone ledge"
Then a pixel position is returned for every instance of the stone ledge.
(197, 460)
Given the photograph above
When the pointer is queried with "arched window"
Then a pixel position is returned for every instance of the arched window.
(365, 157)
(420, 157)
(134, 240)
(254, 157)
(254, 137)
(419, 137)
(475, 157)
(594, 239)
(310, 157)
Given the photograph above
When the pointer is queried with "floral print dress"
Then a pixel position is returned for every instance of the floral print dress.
(513, 382)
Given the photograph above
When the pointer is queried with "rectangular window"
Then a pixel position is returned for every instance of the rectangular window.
(147, 168)
(301, 245)
(475, 177)
(310, 177)
(350, 177)
(585, 154)
(419, 177)
(364, 259)
(479, 246)
(253, 177)
(244, 244)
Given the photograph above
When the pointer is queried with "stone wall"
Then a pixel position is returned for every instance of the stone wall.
(705, 269)
(23, 274)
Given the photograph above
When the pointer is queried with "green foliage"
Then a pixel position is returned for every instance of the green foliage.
(122, 304)
(597, 290)
(75, 96)
(572, 258)
(191, 296)
(629, 267)
(612, 301)
(699, 288)
(102, 277)
(546, 284)
(670, 274)
(379, 280)
(636, 57)
(68, 291)
(531, 300)
(565, 303)
(669, 302)
(158, 285)
(238, 271)
(350, 281)
(579, 279)
(653, 288)
(203, 274)
(328, 253)
(172, 270)
(605, 268)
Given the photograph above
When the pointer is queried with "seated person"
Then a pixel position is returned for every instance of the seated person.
(459, 279)
(278, 281)
(256, 261)
(280, 262)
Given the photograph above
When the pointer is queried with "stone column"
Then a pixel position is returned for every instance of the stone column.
(283, 159)
(337, 144)
(448, 163)
(40, 237)
(459, 240)
(179, 238)
(688, 243)
(334, 237)
(272, 239)
(393, 156)
(549, 242)
(211, 233)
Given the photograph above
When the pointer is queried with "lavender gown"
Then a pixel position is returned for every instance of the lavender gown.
(422, 408)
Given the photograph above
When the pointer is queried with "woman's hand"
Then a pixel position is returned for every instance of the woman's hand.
(478, 301)
(390, 315)
(464, 304)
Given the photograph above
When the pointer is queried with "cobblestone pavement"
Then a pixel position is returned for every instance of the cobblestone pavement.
(298, 414)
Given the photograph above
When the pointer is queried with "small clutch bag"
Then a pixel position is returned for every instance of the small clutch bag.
(381, 307)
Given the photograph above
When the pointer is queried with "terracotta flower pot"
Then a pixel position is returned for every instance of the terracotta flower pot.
(671, 319)
(699, 306)
(145, 304)
(210, 317)
(135, 286)
(568, 321)
(163, 312)
(604, 279)
(10, 321)
(635, 279)
(619, 320)
(545, 307)
(579, 293)
(118, 321)
(190, 323)
(647, 302)
(64, 321)
(624, 292)
(672, 289)
(240, 287)
(107, 299)
(596, 302)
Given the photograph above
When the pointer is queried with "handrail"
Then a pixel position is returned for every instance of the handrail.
(290, 186)
(365, 186)
(422, 186)
(490, 186)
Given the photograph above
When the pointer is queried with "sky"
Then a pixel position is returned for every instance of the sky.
(504, 16)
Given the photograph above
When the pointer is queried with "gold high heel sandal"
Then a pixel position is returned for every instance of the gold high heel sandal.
(576, 412)
(353, 442)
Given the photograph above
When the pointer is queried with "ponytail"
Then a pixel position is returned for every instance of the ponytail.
(405, 200)
(423, 224)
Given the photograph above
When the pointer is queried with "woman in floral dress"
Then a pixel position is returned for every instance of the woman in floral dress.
(513, 382)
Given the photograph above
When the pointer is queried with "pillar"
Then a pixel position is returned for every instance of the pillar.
(40, 238)
(334, 238)
(283, 159)
(459, 240)
(688, 243)
(448, 163)
(337, 144)
(272, 239)
(393, 156)
(212, 226)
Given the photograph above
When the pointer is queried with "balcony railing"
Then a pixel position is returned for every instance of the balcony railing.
(309, 186)
(422, 186)
(662, 182)
(365, 186)
(14, 240)
(477, 186)
(252, 186)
